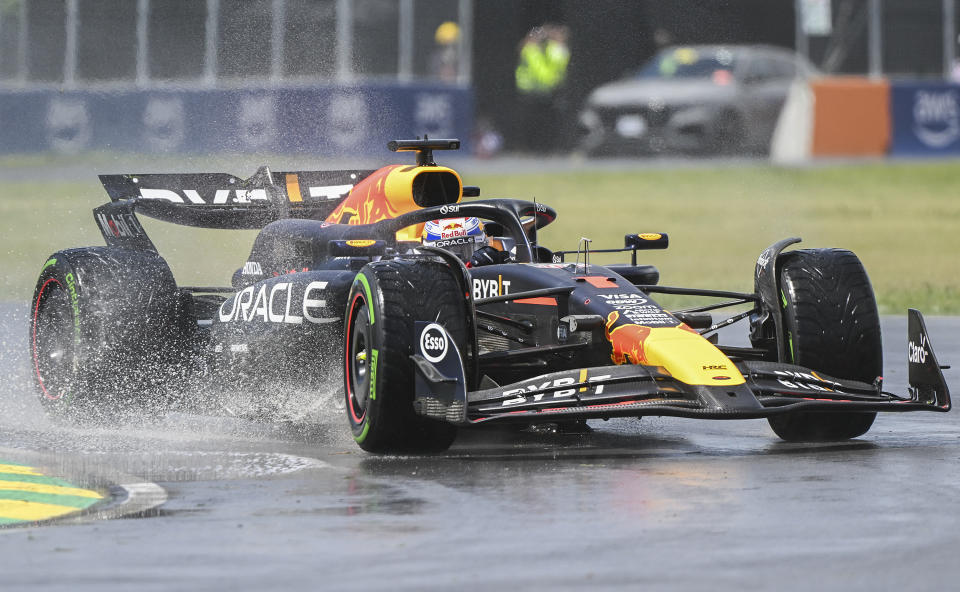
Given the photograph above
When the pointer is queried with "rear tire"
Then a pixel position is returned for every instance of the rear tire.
(104, 332)
(832, 326)
(386, 300)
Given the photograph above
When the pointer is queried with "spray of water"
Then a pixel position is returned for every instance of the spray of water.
(182, 432)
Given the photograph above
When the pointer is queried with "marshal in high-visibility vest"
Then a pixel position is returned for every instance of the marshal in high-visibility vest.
(542, 67)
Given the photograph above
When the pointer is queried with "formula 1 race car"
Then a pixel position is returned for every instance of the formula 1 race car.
(442, 313)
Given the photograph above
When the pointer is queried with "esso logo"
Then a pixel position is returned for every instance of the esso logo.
(433, 342)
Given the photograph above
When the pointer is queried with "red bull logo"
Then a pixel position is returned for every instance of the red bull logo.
(449, 228)
(627, 340)
(452, 229)
(367, 203)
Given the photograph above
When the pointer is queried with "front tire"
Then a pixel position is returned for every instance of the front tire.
(385, 301)
(832, 325)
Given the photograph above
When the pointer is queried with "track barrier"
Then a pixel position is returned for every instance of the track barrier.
(324, 120)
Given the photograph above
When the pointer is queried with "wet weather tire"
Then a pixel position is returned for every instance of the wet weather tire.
(385, 301)
(832, 325)
(104, 326)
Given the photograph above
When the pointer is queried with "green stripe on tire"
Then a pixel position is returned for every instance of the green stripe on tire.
(363, 434)
(366, 291)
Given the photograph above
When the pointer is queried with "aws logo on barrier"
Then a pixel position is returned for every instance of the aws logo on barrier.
(166, 119)
(69, 125)
(257, 122)
(936, 117)
(164, 123)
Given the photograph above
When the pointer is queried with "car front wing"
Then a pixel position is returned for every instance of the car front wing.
(769, 388)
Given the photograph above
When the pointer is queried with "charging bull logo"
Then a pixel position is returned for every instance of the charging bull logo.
(626, 340)
(367, 202)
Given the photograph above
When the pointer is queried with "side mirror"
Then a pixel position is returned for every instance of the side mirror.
(646, 241)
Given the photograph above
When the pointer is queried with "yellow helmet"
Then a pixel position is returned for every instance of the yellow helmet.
(447, 33)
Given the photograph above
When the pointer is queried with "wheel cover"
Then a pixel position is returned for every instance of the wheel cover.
(54, 341)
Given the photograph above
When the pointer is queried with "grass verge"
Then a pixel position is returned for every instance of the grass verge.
(902, 219)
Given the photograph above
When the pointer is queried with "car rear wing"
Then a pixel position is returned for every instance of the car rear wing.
(217, 200)
(221, 200)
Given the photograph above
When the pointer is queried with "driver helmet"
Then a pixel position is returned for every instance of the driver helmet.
(461, 236)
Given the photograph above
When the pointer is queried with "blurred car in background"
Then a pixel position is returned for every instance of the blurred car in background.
(706, 99)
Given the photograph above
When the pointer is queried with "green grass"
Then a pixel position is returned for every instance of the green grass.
(902, 219)
(38, 218)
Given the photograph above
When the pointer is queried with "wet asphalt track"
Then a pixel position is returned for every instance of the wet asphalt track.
(662, 503)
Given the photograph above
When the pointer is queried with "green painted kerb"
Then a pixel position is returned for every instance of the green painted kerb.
(73, 501)
(40, 479)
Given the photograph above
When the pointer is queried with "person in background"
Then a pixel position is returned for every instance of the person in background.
(487, 140)
(662, 38)
(445, 59)
(540, 76)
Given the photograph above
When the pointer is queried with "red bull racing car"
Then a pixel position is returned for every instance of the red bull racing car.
(442, 313)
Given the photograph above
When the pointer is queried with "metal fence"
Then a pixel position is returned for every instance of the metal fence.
(84, 43)
(329, 77)
(894, 38)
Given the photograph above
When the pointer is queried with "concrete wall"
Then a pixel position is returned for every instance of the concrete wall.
(849, 116)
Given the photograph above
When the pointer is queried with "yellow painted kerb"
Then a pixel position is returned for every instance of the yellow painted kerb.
(18, 470)
(30, 511)
(27, 495)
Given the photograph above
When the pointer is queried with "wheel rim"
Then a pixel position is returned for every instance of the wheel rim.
(53, 341)
(358, 361)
